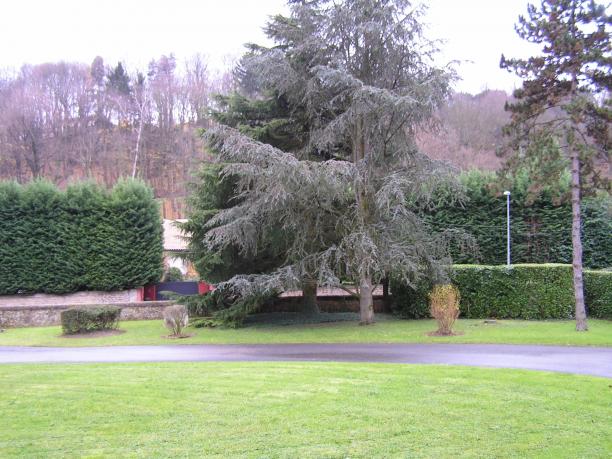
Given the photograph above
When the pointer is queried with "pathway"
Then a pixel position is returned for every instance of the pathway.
(581, 360)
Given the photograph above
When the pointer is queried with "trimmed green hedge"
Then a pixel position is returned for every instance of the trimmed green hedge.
(83, 319)
(541, 227)
(83, 238)
(527, 291)
(598, 292)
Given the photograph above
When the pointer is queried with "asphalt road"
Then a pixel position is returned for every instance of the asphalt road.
(595, 361)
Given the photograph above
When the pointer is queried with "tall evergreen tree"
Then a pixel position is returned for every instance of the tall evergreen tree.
(566, 94)
(258, 110)
(118, 80)
(361, 70)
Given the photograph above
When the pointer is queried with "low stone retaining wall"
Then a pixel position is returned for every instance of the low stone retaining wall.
(87, 297)
(49, 314)
(45, 315)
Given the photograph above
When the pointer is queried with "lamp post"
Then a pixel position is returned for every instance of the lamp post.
(507, 195)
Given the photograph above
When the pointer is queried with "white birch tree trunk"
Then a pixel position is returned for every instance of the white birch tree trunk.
(137, 149)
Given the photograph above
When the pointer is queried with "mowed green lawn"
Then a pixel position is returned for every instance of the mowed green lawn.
(289, 410)
(387, 330)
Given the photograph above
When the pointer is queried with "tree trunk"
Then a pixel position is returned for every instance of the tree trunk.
(366, 302)
(309, 297)
(581, 320)
(135, 164)
(34, 162)
(386, 298)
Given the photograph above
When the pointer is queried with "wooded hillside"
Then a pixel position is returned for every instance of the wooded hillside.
(66, 121)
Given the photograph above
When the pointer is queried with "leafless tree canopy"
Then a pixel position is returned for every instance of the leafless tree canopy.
(66, 121)
(71, 120)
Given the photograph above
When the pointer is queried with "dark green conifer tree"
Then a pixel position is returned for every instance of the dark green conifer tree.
(566, 95)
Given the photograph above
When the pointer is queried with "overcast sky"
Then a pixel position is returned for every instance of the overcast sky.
(135, 31)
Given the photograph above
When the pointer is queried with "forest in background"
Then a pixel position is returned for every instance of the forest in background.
(69, 121)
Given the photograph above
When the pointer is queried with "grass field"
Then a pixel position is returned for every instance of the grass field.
(387, 330)
(300, 410)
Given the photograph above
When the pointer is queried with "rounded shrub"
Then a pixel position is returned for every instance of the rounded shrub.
(83, 319)
(444, 307)
(176, 319)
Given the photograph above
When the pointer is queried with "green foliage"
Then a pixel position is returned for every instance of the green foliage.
(119, 80)
(521, 292)
(346, 217)
(410, 302)
(541, 222)
(565, 96)
(598, 292)
(84, 238)
(271, 120)
(173, 275)
(84, 319)
(199, 306)
(210, 193)
(531, 292)
(240, 308)
(224, 306)
(566, 89)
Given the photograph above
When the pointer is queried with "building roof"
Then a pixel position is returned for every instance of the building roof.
(174, 239)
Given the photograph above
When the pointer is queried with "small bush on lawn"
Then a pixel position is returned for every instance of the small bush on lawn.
(444, 307)
(529, 292)
(176, 319)
(88, 319)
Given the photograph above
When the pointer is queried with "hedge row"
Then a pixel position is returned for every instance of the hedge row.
(83, 238)
(520, 292)
(598, 293)
(541, 227)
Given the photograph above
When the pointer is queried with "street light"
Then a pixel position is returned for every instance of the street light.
(507, 195)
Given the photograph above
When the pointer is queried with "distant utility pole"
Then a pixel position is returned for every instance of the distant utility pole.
(507, 195)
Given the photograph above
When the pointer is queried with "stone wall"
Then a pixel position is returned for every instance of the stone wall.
(90, 297)
(49, 314)
(39, 316)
